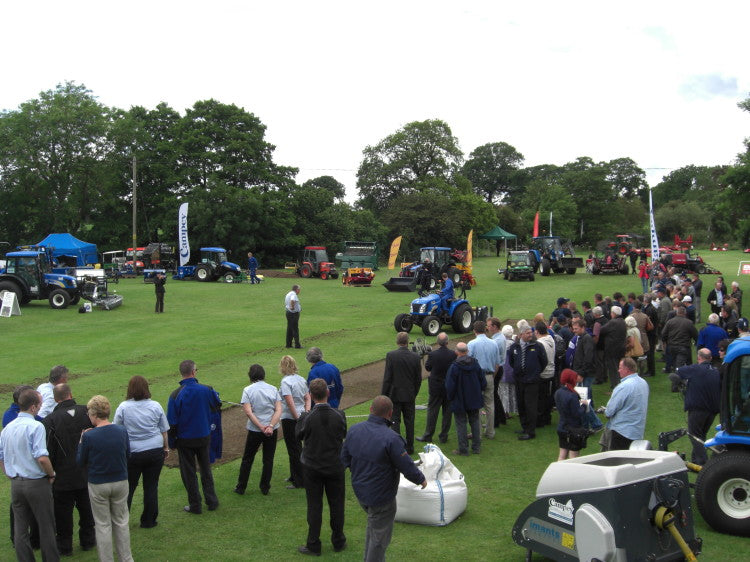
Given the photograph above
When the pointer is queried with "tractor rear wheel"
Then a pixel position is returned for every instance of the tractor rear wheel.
(59, 298)
(431, 326)
(462, 319)
(13, 288)
(545, 267)
(403, 323)
(455, 275)
(722, 492)
(305, 271)
(202, 273)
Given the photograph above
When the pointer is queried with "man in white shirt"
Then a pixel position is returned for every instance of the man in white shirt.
(57, 375)
(293, 308)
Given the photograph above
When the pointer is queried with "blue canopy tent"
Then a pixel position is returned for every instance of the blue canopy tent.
(70, 251)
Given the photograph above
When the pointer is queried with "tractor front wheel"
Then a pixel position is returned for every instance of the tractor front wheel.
(59, 298)
(229, 277)
(324, 275)
(722, 492)
(305, 271)
(403, 323)
(431, 326)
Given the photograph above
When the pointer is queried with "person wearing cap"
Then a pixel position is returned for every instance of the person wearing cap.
(743, 328)
(728, 320)
(702, 399)
(528, 359)
(561, 310)
(687, 302)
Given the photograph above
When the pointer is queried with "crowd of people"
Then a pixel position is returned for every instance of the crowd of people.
(62, 456)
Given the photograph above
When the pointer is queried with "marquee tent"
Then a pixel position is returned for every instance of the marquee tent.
(71, 251)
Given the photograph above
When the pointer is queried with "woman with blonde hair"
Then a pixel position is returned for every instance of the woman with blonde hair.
(104, 451)
(296, 397)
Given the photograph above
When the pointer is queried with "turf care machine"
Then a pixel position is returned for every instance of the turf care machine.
(615, 506)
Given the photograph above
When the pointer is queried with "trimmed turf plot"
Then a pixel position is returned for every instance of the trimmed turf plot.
(225, 328)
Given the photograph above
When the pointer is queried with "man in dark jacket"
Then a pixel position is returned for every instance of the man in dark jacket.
(322, 431)
(438, 362)
(528, 359)
(614, 334)
(702, 399)
(375, 456)
(70, 489)
(680, 334)
(464, 385)
(159, 281)
(401, 382)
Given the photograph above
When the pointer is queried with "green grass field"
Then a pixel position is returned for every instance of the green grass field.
(225, 328)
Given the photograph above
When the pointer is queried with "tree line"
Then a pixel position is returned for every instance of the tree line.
(66, 165)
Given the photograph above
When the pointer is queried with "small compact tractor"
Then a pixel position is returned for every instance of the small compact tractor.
(314, 262)
(549, 253)
(609, 261)
(431, 312)
(427, 271)
(213, 266)
(357, 276)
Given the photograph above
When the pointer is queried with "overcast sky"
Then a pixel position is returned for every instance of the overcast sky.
(657, 82)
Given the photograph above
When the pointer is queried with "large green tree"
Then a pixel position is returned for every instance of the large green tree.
(52, 177)
(421, 156)
(493, 170)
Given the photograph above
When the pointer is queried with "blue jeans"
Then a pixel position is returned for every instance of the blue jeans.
(476, 430)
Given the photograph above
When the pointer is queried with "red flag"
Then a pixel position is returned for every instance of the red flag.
(536, 225)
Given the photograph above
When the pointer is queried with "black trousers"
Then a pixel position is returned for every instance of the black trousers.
(294, 450)
(159, 302)
(699, 423)
(190, 451)
(292, 328)
(437, 402)
(619, 442)
(333, 485)
(65, 501)
(545, 399)
(149, 464)
(407, 410)
(500, 417)
(651, 355)
(528, 405)
(253, 442)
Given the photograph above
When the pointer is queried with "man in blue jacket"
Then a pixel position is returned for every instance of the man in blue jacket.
(326, 371)
(528, 359)
(189, 415)
(375, 456)
(464, 385)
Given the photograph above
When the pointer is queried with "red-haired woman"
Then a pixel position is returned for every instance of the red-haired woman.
(570, 407)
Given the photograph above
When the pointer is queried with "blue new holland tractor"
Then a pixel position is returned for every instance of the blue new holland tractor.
(722, 490)
(28, 273)
(431, 312)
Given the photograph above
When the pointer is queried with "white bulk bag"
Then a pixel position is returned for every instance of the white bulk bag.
(441, 501)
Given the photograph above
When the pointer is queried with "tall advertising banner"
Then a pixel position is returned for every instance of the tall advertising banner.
(395, 246)
(469, 252)
(182, 234)
(535, 232)
(655, 255)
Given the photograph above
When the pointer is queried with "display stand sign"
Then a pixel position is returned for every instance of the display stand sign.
(744, 268)
(10, 304)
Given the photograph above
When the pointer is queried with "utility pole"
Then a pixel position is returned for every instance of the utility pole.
(134, 211)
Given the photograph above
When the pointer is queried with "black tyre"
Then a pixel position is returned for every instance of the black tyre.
(59, 298)
(403, 323)
(595, 270)
(533, 263)
(624, 270)
(13, 288)
(74, 300)
(701, 269)
(511, 277)
(202, 273)
(305, 271)
(230, 277)
(455, 275)
(722, 492)
(431, 326)
(462, 319)
(531, 277)
(545, 267)
(571, 271)
(505, 275)
(334, 275)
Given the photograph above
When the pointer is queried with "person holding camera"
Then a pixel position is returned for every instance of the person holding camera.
(159, 281)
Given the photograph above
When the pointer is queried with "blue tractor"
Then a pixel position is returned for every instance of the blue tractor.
(28, 273)
(431, 312)
(548, 254)
(722, 489)
(213, 266)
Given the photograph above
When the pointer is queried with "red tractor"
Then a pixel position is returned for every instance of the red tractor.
(314, 263)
